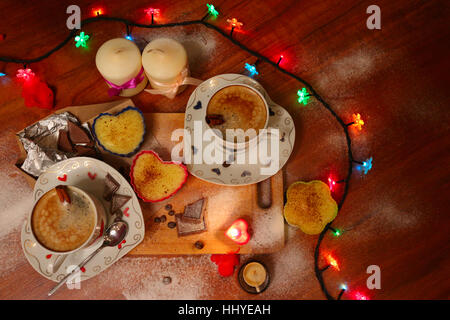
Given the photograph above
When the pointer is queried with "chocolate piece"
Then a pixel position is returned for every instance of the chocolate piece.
(163, 218)
(167, 280)
(118, 201)
(64, 143)
(226, 164)
(171, 213)
(77, 134)
(171, 225)
(157, 220)
(214, 119)
(84, 151)
(216, 170)
(199, 245)
(186, 227)
(168, 206)
(111, 186)
(194, 210)
(118, 215)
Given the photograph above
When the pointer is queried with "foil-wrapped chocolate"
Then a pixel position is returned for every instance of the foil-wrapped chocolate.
(45, 147)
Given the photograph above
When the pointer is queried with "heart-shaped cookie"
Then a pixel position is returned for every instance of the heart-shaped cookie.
(121, 134)
(238, 232)
(154, 179)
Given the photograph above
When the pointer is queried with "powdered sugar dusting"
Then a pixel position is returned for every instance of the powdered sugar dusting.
(142, 277)
(340, 76)
(16, 201)
(267, 230)
(290, 267)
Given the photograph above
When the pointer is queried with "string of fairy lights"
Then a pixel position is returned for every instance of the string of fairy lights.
(303, 96)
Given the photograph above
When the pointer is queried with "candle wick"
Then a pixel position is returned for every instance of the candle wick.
(159, 50)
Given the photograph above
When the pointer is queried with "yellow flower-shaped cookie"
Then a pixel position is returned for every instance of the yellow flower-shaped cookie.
(309, 206)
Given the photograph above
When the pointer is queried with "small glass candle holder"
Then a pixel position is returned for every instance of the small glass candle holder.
(254, 277)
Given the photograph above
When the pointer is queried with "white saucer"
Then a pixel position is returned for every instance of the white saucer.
(235, 174)
(88, 174)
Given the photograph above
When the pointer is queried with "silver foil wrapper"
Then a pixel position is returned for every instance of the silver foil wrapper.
(40, 141)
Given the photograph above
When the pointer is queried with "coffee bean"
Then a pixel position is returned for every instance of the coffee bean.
(171, 213)
(163, 218)
(171, 225)
(168, 206)
(199, 245)
(158, 220)
(167, 280)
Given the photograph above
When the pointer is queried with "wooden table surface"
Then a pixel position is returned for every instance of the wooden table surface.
(397, 78)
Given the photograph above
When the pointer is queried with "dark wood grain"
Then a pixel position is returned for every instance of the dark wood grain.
(397, 78)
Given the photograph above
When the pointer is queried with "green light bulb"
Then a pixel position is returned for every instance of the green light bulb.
(212, 11)
(303, 96)
(81, 39)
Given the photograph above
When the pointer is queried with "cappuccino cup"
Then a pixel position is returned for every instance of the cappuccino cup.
(66, 225)
(237, 113)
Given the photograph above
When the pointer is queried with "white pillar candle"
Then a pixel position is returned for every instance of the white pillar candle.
(165, 63)
(119, 60)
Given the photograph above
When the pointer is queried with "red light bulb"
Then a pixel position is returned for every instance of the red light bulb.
(359, 296)
(152, 11)
(331, 183)
(97, 11)
(25, 74)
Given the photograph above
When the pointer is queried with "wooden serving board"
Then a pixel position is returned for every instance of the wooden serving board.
(223, 204)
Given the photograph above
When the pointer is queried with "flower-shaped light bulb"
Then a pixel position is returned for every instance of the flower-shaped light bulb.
(332, 261)
(25, 74)
(81, 40)
(366, 166)
(234, 23)
(303, 96)
(251, 69)
(212, 11)
(357, 121)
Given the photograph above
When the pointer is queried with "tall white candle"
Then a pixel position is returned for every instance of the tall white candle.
(119, 60)
(164, 61)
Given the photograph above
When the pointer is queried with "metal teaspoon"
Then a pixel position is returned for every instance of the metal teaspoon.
(114, 235)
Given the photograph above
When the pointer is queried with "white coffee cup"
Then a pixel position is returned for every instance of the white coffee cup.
(232, 145)
(99, 224)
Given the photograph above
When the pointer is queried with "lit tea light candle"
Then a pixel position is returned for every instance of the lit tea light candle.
(166, 66)
(119, 62)
(238, 232)
(253, 277)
